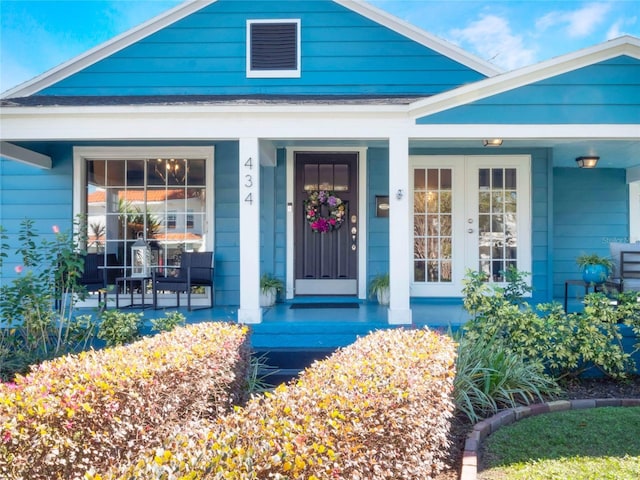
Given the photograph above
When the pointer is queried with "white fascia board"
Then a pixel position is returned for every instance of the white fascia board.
(102, 51)
(633, 175)
(194, 124)
(418, 35)
(625, 45)
(526, 131)
(23, 155)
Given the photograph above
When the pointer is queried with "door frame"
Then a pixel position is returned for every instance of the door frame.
(362, 209)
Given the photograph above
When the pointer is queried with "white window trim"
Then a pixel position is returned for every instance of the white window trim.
(273, 73)
(82, 154)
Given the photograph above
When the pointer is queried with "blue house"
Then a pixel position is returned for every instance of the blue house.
(325, 142)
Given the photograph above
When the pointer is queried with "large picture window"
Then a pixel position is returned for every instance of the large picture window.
(160, 196)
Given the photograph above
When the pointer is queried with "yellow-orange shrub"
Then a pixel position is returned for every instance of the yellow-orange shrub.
(101, 408)
(379, 408)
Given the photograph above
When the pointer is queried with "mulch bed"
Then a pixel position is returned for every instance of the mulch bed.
(573, 390)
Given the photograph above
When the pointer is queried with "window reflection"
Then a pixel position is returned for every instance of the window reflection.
(432, 206)
(162, 199)
(497, 226)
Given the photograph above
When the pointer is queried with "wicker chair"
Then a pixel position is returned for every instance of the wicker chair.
(195, 270)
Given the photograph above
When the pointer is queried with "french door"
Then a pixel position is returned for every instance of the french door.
(469, 212)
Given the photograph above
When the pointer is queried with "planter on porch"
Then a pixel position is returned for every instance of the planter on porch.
(380, 288)
(595, 269)
(269, 288)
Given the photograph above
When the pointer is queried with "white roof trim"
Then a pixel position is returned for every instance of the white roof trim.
(625, 45)
(23, 155)
(418, 35)
(102, 51)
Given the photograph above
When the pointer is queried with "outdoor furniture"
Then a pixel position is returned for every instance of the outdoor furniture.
(195, 270)
(132, 281)
(626, 275)
(581, 283)
(96, 275)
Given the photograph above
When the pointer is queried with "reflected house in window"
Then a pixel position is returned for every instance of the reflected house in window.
(167, 209)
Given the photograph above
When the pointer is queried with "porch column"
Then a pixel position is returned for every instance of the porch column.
(399, 312)
(249, 176)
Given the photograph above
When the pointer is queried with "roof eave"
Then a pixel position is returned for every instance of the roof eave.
(625, 45)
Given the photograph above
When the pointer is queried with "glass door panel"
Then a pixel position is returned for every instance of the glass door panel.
(468, 213)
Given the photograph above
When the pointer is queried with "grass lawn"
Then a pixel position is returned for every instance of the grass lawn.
(598, 443)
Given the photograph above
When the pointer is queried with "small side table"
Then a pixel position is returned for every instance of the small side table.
(131, 281)
(582, 283)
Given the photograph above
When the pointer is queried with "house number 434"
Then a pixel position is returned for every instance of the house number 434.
(248, 180)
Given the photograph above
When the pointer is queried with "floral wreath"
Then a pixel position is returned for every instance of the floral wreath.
(313, 205)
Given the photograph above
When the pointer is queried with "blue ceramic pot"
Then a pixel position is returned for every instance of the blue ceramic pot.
(595, 273)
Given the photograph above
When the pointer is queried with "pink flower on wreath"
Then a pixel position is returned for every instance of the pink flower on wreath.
(55, 229)
(18, 268)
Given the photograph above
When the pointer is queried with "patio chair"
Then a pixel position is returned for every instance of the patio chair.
(94, 278)
(96, 275)
(626, 267)
(195, 270)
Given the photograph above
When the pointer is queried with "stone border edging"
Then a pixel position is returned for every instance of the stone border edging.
(486, 427)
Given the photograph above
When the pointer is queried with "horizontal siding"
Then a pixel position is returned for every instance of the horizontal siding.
(378, 227)
(590, 209)
(604, 93)
(227, 237)
(43, 196)
(342, 52)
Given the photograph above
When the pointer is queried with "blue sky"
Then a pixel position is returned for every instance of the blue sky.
(36, 36)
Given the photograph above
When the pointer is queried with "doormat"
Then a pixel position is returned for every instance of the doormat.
(325, 305)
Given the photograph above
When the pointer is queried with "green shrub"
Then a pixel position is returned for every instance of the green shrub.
(490, 377)
(99, 408)
(37, 307)
(167, 323)
(119, 328)
(566, 344)
(379, 408)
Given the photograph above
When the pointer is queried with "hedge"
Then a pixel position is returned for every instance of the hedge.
(100, 408)
(379, 408)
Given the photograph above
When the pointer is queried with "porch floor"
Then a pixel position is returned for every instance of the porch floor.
(325, 328)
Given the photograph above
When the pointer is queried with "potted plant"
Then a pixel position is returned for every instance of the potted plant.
(379, 287)
(595, 269)
(269, 289)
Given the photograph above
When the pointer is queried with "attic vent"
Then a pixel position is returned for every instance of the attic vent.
(273, 48)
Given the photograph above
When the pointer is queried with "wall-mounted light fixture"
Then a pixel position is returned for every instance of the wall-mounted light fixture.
(587, 162)
(399, 194)
(492, 142)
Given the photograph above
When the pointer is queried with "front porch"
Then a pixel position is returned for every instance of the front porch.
(323, 328)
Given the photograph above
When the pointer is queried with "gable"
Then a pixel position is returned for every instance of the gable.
(606, 92)
(204, 53)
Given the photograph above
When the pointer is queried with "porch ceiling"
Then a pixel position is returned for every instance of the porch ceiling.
(612, 153)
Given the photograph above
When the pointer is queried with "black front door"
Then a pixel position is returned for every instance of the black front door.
(326, 226)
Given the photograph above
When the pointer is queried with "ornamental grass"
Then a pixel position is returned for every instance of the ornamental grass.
(379, 408)
(100, 408)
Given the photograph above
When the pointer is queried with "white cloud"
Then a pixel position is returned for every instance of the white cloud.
(578, 23)
(491, 38)
(619, 28)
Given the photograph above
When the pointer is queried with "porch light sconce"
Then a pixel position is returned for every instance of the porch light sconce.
(587, 162)
(492, 142)
(399, 194)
